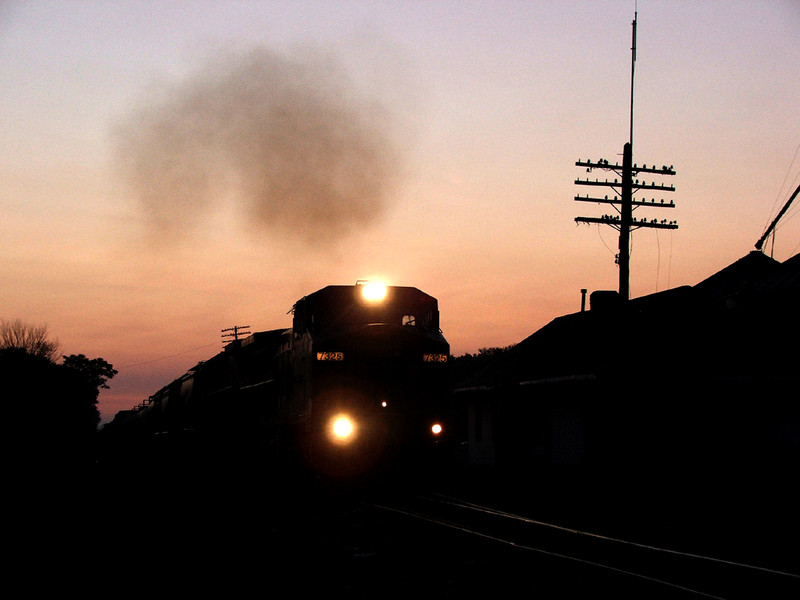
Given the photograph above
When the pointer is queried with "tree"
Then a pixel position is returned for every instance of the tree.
(91, 375)
(96, 370)
(31, 339)
(467, 365)
(51, 409)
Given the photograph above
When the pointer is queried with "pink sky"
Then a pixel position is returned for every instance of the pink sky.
(483, 108)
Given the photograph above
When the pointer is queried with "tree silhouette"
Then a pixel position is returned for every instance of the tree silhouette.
(31, 339)
(50, 409)
(96, 370)
(467, 365)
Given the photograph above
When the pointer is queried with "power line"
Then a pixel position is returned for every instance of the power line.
(155, 360)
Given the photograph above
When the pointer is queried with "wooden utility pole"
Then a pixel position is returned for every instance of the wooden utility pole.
(626, 184)
(774, 223)
(231, 334)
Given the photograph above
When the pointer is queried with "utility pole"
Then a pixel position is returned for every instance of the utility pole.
(626, 184)
(774, 223)
(233, 333)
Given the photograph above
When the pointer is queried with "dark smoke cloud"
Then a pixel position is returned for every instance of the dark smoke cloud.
(288, 139)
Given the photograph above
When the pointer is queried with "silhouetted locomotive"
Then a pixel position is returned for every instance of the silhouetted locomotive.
(355, 385)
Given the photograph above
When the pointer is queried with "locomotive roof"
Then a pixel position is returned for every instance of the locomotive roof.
(342, 290)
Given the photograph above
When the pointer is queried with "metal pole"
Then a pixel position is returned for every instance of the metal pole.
(633, 67)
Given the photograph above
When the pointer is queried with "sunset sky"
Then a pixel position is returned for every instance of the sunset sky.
(171, 169)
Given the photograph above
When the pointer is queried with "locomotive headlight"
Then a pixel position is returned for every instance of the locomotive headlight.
(373, 291)
(437, 429)
(342, 429)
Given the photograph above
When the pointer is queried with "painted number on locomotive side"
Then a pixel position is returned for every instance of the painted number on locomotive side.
(434, 357)
(330, 355)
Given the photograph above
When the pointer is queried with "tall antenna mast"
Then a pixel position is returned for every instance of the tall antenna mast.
(633, 69)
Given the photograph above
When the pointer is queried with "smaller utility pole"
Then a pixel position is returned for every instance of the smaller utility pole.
(232, 333)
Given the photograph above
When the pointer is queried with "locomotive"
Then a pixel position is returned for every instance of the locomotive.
(357, 385)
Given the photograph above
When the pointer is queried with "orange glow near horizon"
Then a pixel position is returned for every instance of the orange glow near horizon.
(159, 191)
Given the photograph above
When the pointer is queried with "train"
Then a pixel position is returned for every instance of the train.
(356, 386)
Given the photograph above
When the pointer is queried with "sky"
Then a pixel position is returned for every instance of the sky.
(174, 169)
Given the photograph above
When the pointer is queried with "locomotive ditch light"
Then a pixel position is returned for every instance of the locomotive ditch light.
(373, 291)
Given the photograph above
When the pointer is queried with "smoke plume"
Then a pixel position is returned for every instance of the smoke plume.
(288, 140)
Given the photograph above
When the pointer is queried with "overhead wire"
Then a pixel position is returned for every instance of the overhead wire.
(780, 190)
(155, 360)
(792, 212)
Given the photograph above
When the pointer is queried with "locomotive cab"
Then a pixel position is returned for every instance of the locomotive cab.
(369, 374)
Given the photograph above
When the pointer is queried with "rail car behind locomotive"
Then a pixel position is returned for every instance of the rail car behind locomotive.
(355, 385)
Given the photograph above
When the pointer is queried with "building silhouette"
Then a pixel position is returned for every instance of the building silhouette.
(690, 388)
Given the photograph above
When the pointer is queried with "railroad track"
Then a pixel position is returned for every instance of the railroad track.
(549, 552)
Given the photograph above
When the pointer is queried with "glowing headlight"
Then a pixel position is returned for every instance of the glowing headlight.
(342, 429)
(436, 429)
(373, 292)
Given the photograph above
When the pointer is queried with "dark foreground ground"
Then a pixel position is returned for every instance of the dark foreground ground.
(262, 535)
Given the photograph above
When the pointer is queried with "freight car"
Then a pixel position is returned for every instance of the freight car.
(355, 386)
